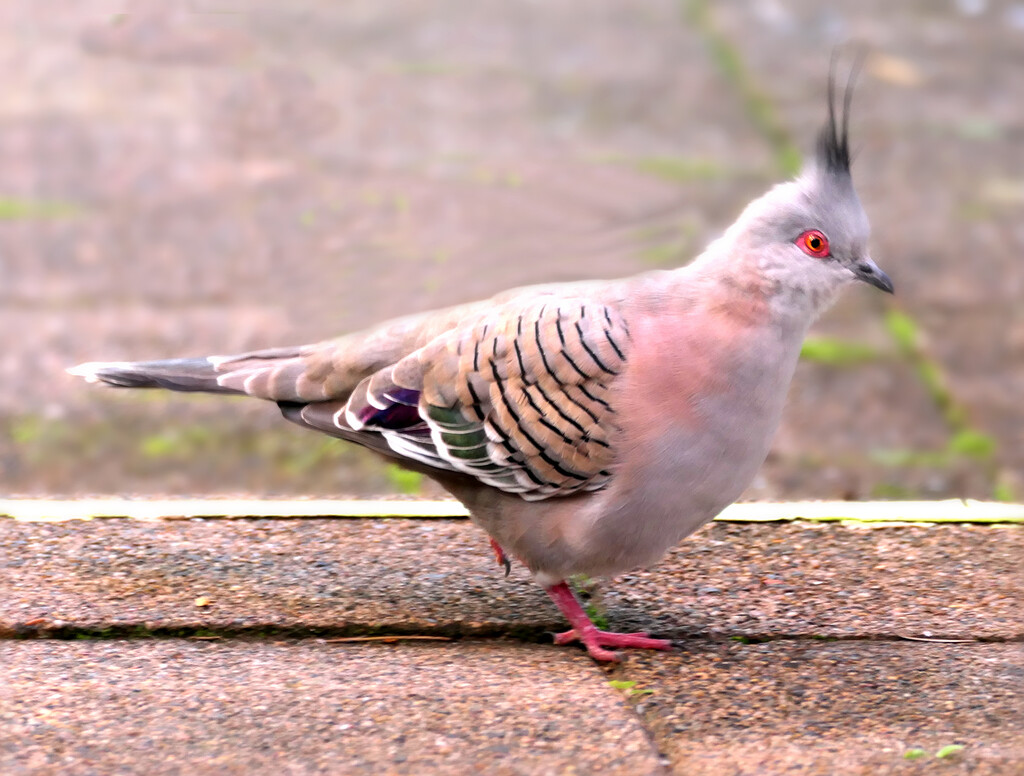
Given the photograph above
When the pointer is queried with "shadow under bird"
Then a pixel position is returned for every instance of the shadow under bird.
(587, 427)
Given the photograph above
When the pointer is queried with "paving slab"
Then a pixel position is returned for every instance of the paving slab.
(437, 576)
(833, 709)
(308, 707)
(834, 581)
(237, 667)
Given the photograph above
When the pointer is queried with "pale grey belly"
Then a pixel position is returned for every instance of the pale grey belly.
(686, 479)
(665, 487)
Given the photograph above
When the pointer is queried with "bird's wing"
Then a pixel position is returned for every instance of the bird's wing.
(517, 397)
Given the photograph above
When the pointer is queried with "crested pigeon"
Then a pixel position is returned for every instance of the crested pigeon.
(588, 427)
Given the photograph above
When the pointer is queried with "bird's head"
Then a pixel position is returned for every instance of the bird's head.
(809, 237)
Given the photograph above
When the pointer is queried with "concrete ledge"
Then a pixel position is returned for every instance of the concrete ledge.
(56, 510)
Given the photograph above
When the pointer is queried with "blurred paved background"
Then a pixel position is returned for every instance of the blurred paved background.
(184, 178)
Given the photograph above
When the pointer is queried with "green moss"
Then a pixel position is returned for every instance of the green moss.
(973, 444)
(179, 442)
(789, 159)
(968, 444)
(678, 169)
(673, 246)
(596, 616)
(759, 108)
(158, 446)
(965, 441)
(21, 209)
(403, 480)
(1003, 491)
(35, 437)
(903, 458)
(664, 254)
(27, 430)
(143, 444)
(890, 491)
(825, 350)
(317, 454)
(903, 330)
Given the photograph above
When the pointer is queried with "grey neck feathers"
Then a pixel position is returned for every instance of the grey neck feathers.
(732, 268)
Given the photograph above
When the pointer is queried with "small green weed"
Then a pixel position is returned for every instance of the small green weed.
(947, 751)
(596, 616)
(628, 687)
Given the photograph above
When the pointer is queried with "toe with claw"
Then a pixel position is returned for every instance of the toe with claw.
(592, 638)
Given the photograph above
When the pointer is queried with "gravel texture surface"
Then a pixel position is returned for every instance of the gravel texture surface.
(306, 707)
(436, 576)
(829, 708)
(246, 679)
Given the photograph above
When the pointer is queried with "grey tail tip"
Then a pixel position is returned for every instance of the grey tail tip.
(182, 374)
(98, 371)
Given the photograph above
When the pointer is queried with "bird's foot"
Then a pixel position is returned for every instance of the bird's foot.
(596, 640)
(501, 557)
(593, 639)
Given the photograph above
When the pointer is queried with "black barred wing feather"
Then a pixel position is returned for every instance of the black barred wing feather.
(519, 399)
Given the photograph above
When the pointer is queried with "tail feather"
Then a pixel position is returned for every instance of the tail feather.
(176, 374)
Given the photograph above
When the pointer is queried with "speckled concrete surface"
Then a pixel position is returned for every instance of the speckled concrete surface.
(182, 707)
(274, 704)
(833, 708)
(823, 579)
(438, 576)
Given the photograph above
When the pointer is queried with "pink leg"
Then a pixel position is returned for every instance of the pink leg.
(501, 557)
(593, 639)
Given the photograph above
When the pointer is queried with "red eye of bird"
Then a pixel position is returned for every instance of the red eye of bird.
(813, 243)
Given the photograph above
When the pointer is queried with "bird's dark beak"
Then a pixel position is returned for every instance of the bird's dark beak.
(868, 271)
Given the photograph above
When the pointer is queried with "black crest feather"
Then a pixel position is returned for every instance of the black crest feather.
(834, 138)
